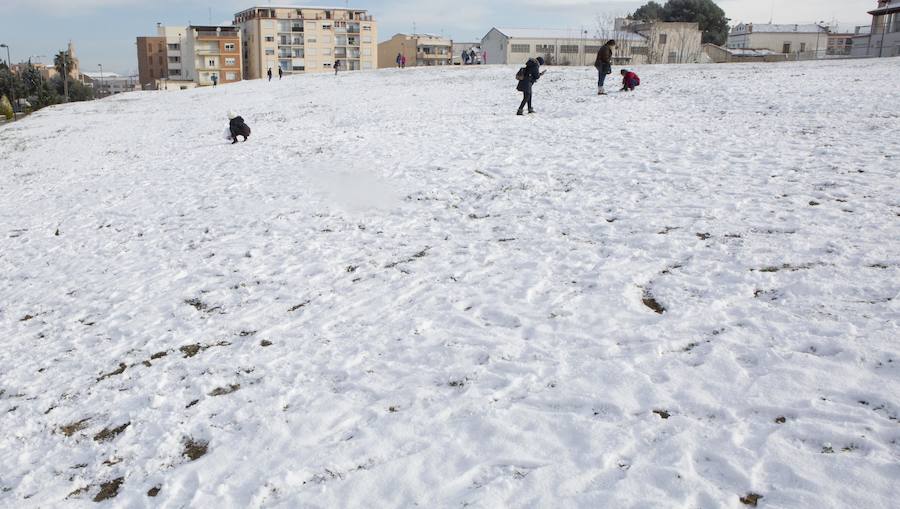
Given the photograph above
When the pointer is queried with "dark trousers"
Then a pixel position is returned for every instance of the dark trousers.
(603, 70)
(526, 95)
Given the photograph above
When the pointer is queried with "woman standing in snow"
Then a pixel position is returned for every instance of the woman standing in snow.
(527, 78)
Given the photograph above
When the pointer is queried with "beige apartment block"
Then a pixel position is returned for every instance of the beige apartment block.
(801, 41)
(420, 50)
(306, 39)
(212, 55)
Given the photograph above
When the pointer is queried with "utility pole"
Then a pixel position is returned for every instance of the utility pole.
(101, 78)
(65, 75)
(12, 89)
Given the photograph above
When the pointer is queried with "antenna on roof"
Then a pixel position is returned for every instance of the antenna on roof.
(772, 14)
(210, 16)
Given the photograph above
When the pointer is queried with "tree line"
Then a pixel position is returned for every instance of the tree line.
(29, 84)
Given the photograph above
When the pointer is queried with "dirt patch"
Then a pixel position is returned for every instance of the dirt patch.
(158, 355)
(201, 306)
(118, 371)
(780, 419)
(192, 403)
(245, 333)
(190, 350)
(299, 306)
(110, 433)
(70, 429)
(786, 267)
(420, 254)
(704, 236)
(154, 491)
(264, 343)
(222, 391)
(195, 449)
(650, 301)
(109, 489)
(662, 414)
(751, 499)
(26, 318)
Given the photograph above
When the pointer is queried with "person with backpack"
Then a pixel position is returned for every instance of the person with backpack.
(465, 57)
(604, 64)
(473, 57)
(237, 127)
(629, 80)
(527, 77)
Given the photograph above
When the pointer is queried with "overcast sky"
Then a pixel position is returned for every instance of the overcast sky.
(104, 31)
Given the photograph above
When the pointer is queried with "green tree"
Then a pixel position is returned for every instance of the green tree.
(6, 109)
(10, 84)
(32, 79)
(77, 90)
(651, 11)
(710, 16)
(63, 62)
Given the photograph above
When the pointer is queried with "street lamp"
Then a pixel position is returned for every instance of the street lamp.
(818, 34)
(101, 78)
(12, 89)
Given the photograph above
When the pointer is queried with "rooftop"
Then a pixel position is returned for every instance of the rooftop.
(560, 33)
(776, 28)
(892, 6)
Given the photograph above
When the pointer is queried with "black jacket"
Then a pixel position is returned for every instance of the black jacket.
(604, 57)
(238, 127)
(532, 74)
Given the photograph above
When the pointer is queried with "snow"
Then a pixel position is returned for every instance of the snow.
(457, 302)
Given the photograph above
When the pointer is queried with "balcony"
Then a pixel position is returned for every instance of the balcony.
(433, 56)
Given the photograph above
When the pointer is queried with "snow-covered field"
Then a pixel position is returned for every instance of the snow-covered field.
(400, 294)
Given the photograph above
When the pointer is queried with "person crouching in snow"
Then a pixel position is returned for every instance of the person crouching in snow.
(629, 80)
(237, 127)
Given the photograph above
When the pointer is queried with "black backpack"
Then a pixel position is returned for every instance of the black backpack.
(521, 74)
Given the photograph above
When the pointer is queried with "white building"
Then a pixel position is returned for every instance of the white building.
(110, 83)
(636, 43)
(802, 41)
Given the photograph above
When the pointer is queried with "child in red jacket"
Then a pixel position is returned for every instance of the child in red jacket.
(629, 80)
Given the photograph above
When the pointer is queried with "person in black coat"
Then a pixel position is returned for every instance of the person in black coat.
(529, 77)
(237, 127)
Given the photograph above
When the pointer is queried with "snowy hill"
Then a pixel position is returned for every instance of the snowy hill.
(399, 294)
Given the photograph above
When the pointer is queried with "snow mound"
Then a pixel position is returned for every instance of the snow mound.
(397, 293)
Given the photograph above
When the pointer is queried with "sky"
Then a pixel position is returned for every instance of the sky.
(104, 31)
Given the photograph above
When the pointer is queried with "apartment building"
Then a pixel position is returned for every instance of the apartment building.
(883, 37)
(304, 39)
(420, 50)
(839, 44)
(190, 54)
(152, 61)
(801, 40)
(212, 55)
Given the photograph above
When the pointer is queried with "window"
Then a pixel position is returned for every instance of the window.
(174, 72)
(151, 60)
(160, 60)
(568, 49)
(802, 47)
(270, 38)
(591, 49)
(174, 60)
(521, 48)
(211, 62)
(636, 50)
(367, 28)
(270, 52)
(230, 61)
(545, 48)
(663, 39)
(673, 57)
(326, 51)
(311, 41)
(786, 48)
(328, 65)
(231, 76)
(230, 46)
(326, 26)
(367, 39)
(174, 47)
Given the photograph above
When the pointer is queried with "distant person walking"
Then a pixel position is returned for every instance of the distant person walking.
(473, 57)
(269, 73)
(629, 80)
(604, 65)
(337, 67)
(280, 73)
(399, 59)
(527, 77)
(403, 61)
(215, 79)
(465, 57)
(484, 57)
